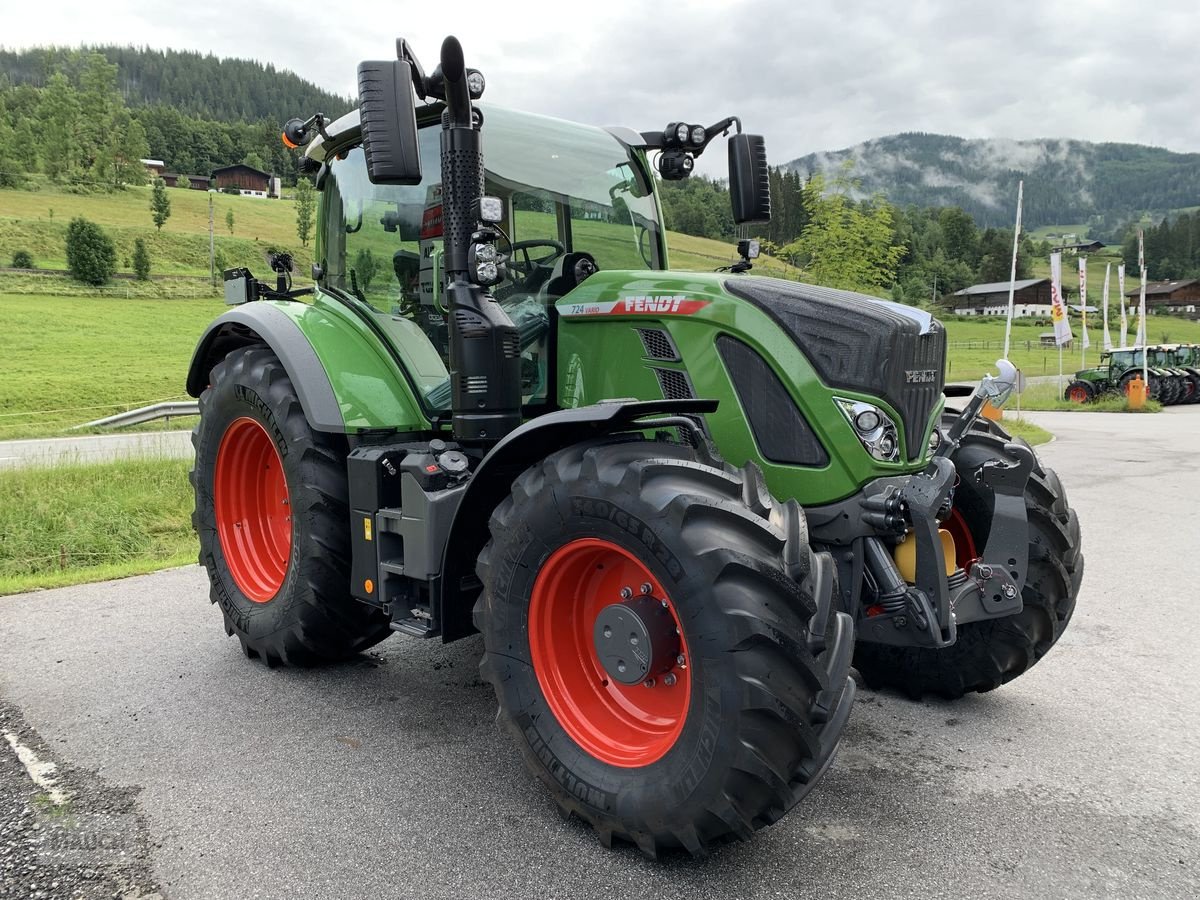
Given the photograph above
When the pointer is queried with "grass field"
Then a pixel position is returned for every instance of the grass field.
(975, 343)
(75, 523)
(1018, 427)
(1048, 397)
(70, 360)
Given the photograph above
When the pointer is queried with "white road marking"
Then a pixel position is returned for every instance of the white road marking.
(42, 773)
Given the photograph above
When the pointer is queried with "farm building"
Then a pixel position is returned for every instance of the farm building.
(1031, 297)
(1174, 296)
(1088, 247)
(248, 180)
(195, 182)
(154, 166)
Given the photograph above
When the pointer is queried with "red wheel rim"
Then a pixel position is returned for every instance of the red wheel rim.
(622, 725)
(254, 516)
(1077, 395)
(964, 541)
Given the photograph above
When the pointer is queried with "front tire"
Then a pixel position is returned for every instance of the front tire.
(715, 747)
(991, 652)
(273, 521)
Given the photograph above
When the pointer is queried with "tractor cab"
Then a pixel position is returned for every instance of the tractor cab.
(574, 199)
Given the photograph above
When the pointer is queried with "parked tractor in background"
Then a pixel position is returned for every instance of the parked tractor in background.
(1173, 376)
(669, 501)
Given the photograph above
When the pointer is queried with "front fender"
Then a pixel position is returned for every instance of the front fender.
(492, 480)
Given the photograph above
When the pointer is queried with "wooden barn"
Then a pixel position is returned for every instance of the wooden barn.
(195, 182)
(245, 178)
(1171, 296)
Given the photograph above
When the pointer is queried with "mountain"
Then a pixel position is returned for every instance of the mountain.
(1066, 181)
(202, 86)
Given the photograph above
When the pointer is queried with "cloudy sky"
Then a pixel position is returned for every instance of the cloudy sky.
(809, 74)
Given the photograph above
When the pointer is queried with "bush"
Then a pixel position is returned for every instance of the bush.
(141, 260)
(22, 260)
(91, 256)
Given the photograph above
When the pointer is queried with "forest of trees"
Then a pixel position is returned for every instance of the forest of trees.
(1104, 186)
(1172, 248)
(198, 86)
(85, 121)
(915, 253)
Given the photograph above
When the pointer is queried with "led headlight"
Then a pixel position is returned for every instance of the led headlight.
(682, 130)
(486, 273)
(698, 134)
(490, 210)
(485, 253)
(874, 428)
(475, 83)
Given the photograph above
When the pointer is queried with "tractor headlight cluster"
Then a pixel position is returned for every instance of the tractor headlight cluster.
(485, 263)
(875, 429)
(683, 134)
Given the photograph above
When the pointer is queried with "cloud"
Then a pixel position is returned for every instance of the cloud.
(809, 76)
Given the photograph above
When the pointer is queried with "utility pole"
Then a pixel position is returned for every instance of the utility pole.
(212, 271)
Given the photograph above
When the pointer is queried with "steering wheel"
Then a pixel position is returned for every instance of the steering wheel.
(528, 266)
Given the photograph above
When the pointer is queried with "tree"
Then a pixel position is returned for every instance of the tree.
(91, 256)
(846, 244)
(365, 268)
(59, 113)
(160, 204)
(22, 260)
(141, 260)
(229, 220)
(184, 182)
(254, 161)
(305, 202)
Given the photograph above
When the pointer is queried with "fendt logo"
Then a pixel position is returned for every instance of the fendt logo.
(677, 304)
(920, 376)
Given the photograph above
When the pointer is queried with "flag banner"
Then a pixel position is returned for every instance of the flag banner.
(1012, 278)
(1083, 337)
(1058, 310)
(1121, 292)
(1107, 338)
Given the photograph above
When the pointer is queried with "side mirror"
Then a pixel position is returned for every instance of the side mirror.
(749, 180)
(387, 111)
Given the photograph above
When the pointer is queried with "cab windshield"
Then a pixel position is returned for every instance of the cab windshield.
(570, 192)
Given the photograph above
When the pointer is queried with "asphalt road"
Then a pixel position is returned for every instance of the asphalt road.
(387, 777)
(95, 448)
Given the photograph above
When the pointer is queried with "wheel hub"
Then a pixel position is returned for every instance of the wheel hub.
(636, 639)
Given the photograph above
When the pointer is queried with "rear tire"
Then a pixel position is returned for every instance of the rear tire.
(990, 653)
(766, 671)
(281, 580)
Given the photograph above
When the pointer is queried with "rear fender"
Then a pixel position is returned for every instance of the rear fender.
(343, 374)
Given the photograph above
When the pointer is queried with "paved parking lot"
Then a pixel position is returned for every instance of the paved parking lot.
(387, 777)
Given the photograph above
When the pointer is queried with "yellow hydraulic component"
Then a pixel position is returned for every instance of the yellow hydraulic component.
(991, 412)
(906, 555)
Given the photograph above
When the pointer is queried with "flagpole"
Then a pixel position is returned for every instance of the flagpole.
(1142, 310)
(1058, 312)
(1012, 277)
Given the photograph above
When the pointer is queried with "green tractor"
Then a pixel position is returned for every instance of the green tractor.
(677, 505)
(1181, 360)
(1116, 370)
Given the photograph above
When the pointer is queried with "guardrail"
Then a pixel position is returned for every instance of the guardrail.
(143, 414)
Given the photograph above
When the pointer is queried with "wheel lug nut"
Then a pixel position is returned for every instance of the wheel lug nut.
(626, 593)
(666, 605)
(607, 631)
(620, 666)
(649, 682)
(646, 588)
(680, 661)
(669, 680)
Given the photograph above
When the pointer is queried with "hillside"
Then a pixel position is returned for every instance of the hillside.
(1103, 186)
(202, 86)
